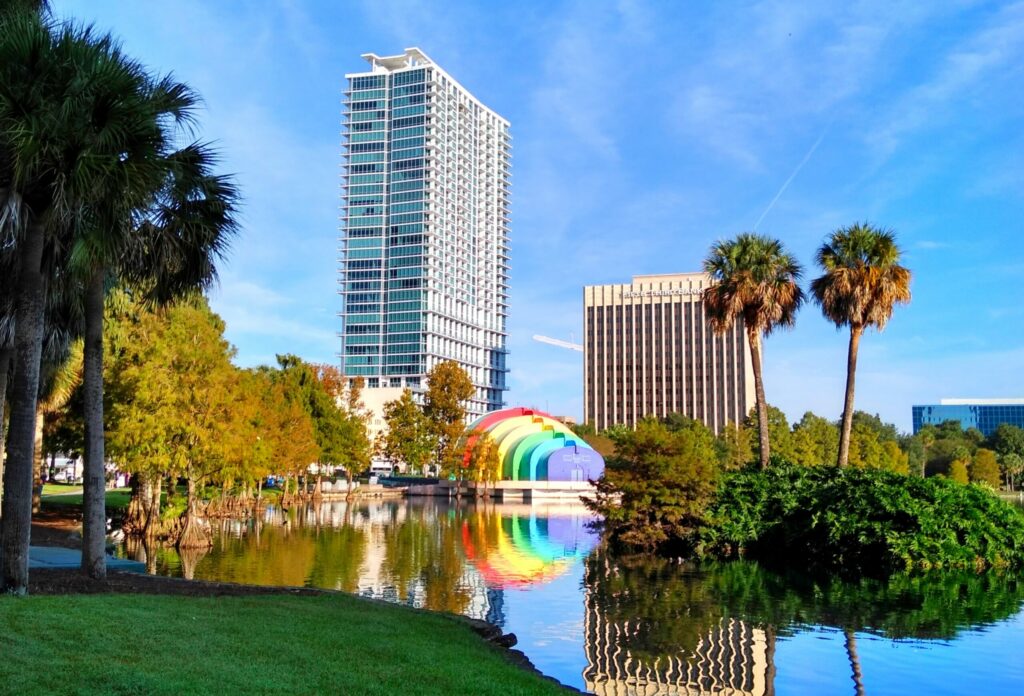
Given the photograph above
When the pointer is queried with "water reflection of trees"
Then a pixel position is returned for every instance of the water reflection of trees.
(653, 626)
(407, 548)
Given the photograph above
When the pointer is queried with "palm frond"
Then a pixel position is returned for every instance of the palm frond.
(753, 278)
(863, 280)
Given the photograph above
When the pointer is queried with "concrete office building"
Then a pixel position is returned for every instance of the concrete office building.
(649, 351)
(984, 414)
(425, 229)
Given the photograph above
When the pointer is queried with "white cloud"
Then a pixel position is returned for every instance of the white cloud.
(970, 69)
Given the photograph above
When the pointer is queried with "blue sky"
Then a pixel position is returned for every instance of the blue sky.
(643, 131)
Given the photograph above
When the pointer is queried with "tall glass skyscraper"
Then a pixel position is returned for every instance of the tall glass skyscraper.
(425, 228)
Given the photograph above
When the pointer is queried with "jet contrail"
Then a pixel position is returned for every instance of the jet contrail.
(791, 177)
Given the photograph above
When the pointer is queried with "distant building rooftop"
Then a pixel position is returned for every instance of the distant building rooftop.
(984, 414)
(411, 58)
(981, 402)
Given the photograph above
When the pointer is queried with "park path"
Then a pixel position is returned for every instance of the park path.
(57, 557)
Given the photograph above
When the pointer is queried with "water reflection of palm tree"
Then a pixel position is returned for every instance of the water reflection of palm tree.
(851, 652)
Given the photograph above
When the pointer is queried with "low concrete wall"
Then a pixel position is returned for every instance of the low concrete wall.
(366, 491)
(510, 490)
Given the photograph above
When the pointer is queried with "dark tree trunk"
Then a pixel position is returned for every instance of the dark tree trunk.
(28, 348)
(5, 371)
(754, 338)
(135, 517)
(94, 512)
(851, 653)
(151, 505)
(851, 373)
(193, 531)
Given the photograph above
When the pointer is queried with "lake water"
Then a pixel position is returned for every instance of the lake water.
(619, 626)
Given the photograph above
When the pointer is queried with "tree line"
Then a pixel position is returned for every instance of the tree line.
(671, 486)
(947, 450)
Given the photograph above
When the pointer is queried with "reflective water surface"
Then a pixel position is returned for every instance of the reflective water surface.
(627, 626)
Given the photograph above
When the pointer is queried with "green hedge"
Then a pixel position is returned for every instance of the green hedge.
(860, 519)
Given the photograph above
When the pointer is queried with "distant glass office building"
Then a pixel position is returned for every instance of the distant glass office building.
(425, 228)
(984, 414)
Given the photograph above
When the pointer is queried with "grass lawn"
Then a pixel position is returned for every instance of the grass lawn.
(149, 644)
(65, 494)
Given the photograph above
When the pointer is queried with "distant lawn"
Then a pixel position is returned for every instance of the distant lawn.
(117, 498)
(69, 494)
(146, 644)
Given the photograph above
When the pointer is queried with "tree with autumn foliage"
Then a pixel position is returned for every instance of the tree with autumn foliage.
(448, 390)
(335, 407)
(484, 460)
(175, 399)
(409, 437)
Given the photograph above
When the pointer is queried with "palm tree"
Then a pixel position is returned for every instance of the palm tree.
(862, 283)
(755, 279)
(166, 244)
(164, 221)
(62, 129)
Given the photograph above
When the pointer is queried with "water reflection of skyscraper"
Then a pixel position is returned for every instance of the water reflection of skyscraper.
(714, 655)
(732, 659)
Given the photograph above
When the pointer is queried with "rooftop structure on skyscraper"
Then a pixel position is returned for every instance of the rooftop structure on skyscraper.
(425, 229)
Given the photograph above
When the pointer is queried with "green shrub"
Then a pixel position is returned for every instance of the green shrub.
(861, 519)
(657, 487)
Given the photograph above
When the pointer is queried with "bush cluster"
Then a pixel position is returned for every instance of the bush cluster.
(866, 520)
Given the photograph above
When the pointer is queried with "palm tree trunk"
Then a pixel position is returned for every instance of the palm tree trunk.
(28, 349)
(94, 513)
(851, 653)
(754, 338)
(851, 372)
(5, 370)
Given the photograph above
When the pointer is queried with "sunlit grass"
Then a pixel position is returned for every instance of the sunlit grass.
(142, 644)
(64, 494)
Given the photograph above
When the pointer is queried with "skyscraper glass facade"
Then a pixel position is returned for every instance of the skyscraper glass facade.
(984, 414)
(425, 228)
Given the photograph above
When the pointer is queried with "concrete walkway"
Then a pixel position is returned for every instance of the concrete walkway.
(57, 557)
